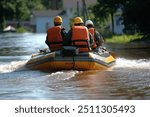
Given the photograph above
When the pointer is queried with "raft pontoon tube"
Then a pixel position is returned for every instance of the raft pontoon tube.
(69, 59)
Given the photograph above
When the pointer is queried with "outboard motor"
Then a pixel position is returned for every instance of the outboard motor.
(70, 51)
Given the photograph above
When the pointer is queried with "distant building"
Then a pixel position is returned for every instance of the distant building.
(118, 22)
(42, 20)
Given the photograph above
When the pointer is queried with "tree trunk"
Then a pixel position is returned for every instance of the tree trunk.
(3, 23)
(17, 15)
(112, 22)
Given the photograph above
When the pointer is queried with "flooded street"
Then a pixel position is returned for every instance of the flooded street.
(129, 78)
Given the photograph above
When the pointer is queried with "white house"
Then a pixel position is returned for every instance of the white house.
(118, 22)
(42, 20)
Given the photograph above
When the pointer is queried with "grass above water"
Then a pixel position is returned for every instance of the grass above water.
(122, 39)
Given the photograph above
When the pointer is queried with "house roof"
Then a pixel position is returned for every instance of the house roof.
(48, 13)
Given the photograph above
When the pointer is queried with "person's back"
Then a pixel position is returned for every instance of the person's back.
(55, 35)
(79, 36)
(92, 31)
(98, 39)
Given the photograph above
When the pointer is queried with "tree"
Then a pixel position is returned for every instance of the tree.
(22, 11)
(137, 17)
(19, 10)
(25, 7)
(35, 4)
(52, 4)
(7, 11)
(104, 8)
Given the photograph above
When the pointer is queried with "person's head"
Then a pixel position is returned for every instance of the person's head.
(78, 21)
(57, 20)
(89, 23)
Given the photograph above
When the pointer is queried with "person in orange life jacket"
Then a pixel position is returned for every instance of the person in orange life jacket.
(79, 36)
(55, 35)
(98, 39)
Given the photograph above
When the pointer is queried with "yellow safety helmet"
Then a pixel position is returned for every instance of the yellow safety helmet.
(78, 20)
(58, 19)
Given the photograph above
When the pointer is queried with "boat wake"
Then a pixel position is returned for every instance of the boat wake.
(135, 64)
(13, 66)
(17, 66)
(63, 75)
(120, 63)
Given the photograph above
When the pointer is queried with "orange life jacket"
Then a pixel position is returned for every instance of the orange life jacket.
(80, 37)
(91, 30)
(54, 38)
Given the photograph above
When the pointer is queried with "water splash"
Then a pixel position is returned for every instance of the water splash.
(13, 66)
(64, 75)
(126, 63)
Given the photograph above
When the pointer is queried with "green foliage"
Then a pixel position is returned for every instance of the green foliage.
(105, 9)
(57, 4)
(22, 11)
(122, 39)
(25, 7)
(21, 30)
(17, 10)
(35, 5)
(137, 17)
(7, 9)
(100, 23)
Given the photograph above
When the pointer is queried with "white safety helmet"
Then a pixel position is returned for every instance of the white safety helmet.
(89, 22)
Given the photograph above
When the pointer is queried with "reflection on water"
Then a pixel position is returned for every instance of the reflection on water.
(133, 54)
(129, 79)
(21, 44)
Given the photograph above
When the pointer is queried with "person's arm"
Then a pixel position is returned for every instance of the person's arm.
(67, 39)
(46, 41)
(63, 33)
(99, 38)
(91, 39)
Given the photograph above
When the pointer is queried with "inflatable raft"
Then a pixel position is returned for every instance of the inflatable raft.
(69, 59)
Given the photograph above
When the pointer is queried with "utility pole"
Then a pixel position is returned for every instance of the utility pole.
(85, 11)
(78, 13)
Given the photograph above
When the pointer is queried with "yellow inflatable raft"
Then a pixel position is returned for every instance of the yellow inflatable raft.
(70, 59)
